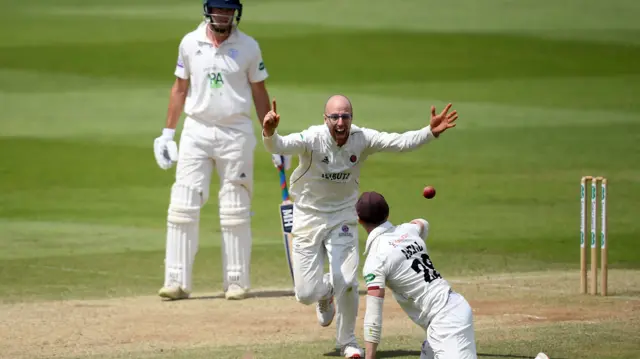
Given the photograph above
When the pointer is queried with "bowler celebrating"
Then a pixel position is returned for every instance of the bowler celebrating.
(325, 188)
(397, 259)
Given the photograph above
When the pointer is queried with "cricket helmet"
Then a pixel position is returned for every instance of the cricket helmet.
(220, 23)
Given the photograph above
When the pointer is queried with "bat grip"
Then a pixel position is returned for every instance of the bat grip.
(283, 183)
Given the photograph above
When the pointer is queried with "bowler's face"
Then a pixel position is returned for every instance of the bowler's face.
(339, 122)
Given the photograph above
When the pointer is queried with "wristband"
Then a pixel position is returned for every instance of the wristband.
(168, 132)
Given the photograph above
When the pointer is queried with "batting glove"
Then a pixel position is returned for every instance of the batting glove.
(166, 149)
(277, 161)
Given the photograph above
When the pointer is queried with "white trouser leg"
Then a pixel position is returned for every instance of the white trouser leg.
(451, 333)
(188, 194)
(234, 162)
(342, 251)
(426, 352)
(308, 257)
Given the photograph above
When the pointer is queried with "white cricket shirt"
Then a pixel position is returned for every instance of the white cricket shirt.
(397, 259)
(220, 78)
(327, 176)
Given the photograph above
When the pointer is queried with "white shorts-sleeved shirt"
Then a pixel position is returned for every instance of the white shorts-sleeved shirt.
(220, 78)
(397, 259)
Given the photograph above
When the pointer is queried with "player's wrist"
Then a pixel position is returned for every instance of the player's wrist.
(267, 134)
(168, 133)
(430, 131)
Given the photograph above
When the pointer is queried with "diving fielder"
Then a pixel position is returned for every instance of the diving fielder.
(397, 259)
(325, 189)
(219, 75)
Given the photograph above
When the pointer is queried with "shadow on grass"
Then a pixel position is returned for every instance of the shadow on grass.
(416, 353)
(258, 294)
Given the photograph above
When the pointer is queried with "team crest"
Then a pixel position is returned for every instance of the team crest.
(345, 231)
(233, 53)
(353, 158)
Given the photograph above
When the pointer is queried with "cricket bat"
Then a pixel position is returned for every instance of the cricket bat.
(286, 217)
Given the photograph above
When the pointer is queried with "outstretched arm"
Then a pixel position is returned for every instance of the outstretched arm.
(423, 227)
(373, 321)
(400, 142)
(397, 142)
(374, 276)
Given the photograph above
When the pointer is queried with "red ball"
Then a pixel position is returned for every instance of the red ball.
(429, 192)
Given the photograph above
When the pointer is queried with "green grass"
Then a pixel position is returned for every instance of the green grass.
(511, 343)
(544, 98)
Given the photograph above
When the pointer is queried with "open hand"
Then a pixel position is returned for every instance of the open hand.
(443, 121)
(271, 121)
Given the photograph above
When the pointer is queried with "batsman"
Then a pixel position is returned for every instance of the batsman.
(325, 188)
(219, 74)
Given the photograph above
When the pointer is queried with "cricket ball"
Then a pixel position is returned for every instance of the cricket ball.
(429, 192)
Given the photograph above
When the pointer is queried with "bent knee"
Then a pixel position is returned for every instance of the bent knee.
(235, 205)
(185, 204)
(307, 296)
(342, 283)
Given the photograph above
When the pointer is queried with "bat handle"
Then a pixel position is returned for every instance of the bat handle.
(283, 183)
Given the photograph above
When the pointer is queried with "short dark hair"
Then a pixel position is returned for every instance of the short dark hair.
(372, 208)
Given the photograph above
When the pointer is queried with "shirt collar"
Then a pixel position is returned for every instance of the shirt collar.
(373, 235)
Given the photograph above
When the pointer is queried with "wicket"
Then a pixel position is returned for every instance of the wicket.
(603, 235)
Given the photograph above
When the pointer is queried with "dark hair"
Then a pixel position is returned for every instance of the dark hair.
(372, 208)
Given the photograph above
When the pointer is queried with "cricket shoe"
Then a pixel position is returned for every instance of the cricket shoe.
(352, 351)
(173, 293)
(235, 292)
(325, 311)
(541, 356)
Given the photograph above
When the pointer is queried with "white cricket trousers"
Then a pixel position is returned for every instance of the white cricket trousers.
(202, 147)
(333, 236)
(450, 334)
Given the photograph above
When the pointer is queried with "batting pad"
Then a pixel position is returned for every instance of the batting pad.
(235, 224)
(182, 235)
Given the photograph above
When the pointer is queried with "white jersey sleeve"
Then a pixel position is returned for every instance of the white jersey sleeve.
(182, 66)
(422, 231)
(397, 142)
(374, 272)
(257, 69)
(291, 144)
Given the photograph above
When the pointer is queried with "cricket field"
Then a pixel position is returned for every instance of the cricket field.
(547, 92)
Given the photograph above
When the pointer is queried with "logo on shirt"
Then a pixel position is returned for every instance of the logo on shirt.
(215, 80)
(353, 158)
(345, 231)
(325, 160)
(233, 53)
(261, 66)
(180, 63)
(396, 242)
(369, 277)
(337, 177)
